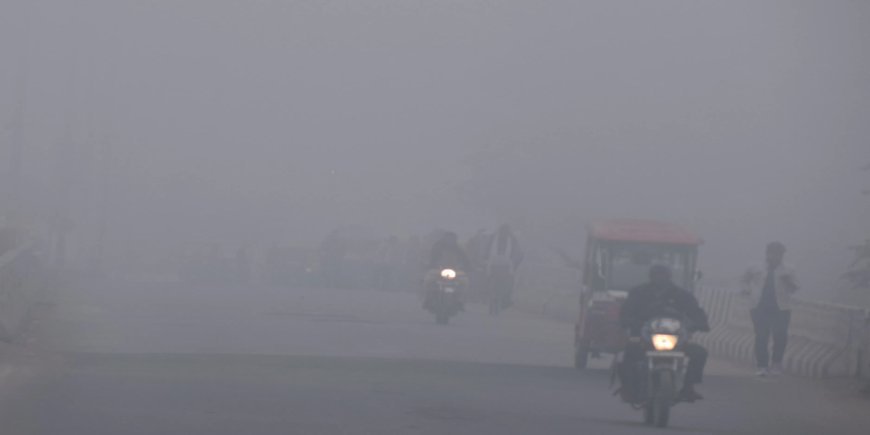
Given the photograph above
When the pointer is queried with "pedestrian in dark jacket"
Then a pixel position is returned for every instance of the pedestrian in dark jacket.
(770, 289)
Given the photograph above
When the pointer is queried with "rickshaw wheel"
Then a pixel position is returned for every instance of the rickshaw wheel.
(649, 416)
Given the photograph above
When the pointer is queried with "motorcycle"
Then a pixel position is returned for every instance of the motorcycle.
(444, 294)
(660, 374)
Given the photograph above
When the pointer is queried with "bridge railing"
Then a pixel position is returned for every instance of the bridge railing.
(824, 339)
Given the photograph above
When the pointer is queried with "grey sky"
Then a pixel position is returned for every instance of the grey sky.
(747, 119)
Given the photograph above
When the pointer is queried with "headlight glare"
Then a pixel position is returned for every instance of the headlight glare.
(448, 274)
(664, 342)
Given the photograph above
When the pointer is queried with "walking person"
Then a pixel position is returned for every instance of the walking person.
(504, 256)
(770, 289)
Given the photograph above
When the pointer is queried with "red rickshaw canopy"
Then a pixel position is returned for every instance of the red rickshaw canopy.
(641, 230)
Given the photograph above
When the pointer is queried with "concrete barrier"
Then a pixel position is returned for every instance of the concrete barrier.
(825, 340)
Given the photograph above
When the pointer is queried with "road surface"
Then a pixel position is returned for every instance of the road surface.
(163, 358)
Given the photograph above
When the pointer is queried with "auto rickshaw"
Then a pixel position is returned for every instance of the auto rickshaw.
(619, 254)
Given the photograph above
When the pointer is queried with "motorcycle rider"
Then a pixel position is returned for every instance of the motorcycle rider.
(446, 254)
(646, 302)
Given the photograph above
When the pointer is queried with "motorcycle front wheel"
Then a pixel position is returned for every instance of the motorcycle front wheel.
(662, 399)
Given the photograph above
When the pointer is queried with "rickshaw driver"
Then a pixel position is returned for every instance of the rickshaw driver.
(641, 306)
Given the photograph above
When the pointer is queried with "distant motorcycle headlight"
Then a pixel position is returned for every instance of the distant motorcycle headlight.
(448, 274)
(663, 342)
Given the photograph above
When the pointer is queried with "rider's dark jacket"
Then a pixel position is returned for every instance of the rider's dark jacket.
(651, 300)
(446, 254)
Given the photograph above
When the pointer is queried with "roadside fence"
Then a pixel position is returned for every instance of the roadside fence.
(825, 340)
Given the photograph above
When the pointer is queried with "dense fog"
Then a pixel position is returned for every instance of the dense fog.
(156, 124)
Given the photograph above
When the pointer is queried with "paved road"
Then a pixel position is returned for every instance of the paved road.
(169, 359)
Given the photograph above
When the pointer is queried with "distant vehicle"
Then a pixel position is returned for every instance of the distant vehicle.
(444, 294)
(618, 257)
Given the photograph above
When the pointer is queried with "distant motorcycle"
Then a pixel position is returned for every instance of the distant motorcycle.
(661, 373)
(444, 294)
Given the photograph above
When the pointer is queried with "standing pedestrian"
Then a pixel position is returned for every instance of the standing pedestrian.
(770, 289)
(504, 256)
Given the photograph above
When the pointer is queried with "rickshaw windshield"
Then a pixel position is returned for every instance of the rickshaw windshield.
(630, 263)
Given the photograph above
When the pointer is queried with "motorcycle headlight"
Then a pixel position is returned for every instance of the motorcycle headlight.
(662, 342)
(448, 274)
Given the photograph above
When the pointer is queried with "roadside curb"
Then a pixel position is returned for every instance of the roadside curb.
(813, 350)
(804, 356)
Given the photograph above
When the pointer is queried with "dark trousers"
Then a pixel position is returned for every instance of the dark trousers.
(770, 323)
